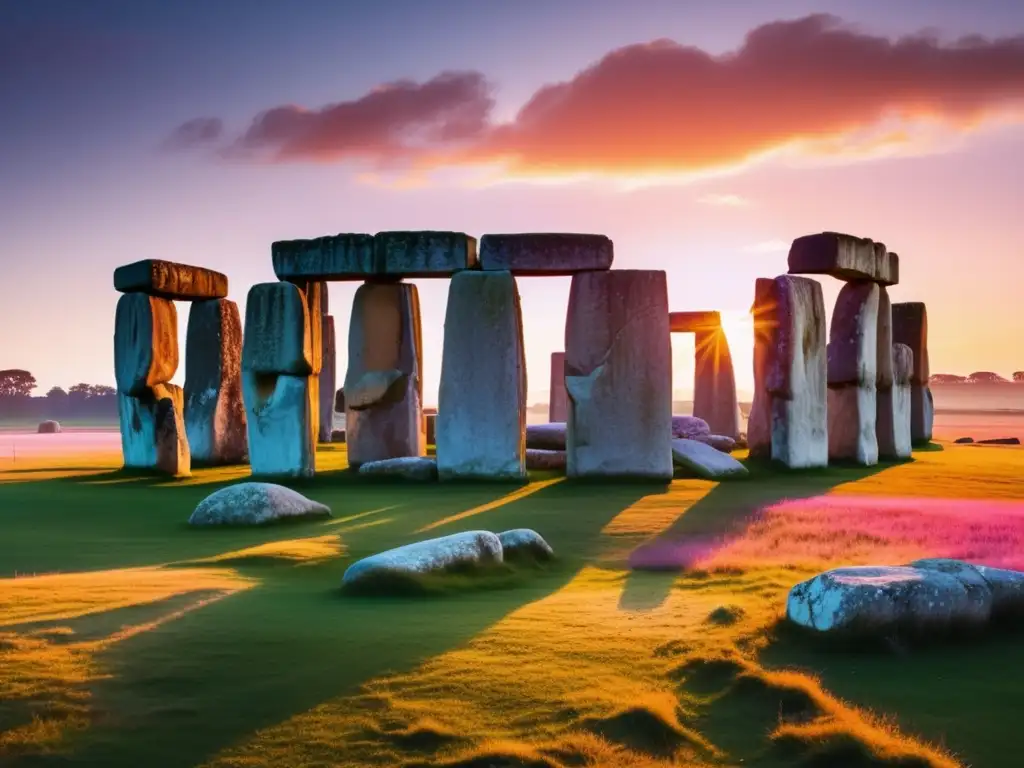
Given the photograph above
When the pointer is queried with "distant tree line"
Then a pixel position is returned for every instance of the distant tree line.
(81, 401)
(978, 377)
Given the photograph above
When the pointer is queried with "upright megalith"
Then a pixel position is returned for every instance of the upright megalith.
(910, 327)
(215, 419)
(887, 422)
(853, 375)
(558, 399)
(383, 384)
(278, 381)
(150, 409)
(328, 378)
(481, 411)
(896, 414)
(618, 366)
(714, 384)
(788, 418)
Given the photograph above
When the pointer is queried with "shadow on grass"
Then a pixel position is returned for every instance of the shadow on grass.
(719, 517)
(214, 677)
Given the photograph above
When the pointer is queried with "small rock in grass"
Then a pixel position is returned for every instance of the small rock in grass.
(689, 427)
(704, 461)
(468, 549)
(49, 428)
(418, 468)
(964, 440)
(524, 542)
(255, 504)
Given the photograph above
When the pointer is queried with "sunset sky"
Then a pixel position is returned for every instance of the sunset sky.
(701, 137)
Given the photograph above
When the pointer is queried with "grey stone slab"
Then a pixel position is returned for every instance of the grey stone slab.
(894, 409)
(704, 461)
(884, 342)
(255, 504)
(153, 431)
(424, 254)
(481, 410)
(347, 256)
(539, 254)
(545, 459)
(546, 436)
(619, 375)
(214, 412)
(168, 280)
(277, 333)
(853, 375)
(910, 327)
(434, 556)
(145, 343)
(328, 378)
(524, 543)
(416, 468)
(845, 257)
(279, 410)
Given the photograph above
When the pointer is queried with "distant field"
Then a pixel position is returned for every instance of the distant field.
(128, 640)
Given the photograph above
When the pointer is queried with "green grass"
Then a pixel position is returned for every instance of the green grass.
(149, 643)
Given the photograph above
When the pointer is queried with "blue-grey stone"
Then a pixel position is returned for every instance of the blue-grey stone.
(255, 504)
(430, 556)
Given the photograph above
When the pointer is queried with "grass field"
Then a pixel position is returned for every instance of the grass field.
(127, 639)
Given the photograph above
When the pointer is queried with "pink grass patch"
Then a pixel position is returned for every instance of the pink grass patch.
(829, 531)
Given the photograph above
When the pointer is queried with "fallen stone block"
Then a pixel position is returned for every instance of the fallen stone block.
(145, 343)
(701, 460)
(255, 504)
(788, 419)
(214, 412)
(546, 436)
(481, 411)
(853, 374)
(49, 428)
(383, 389)
(722, 443)
(279, 410)
(167, 280)
(153, 431)
(434, 556)
(277, 338)
(524, 543)
(545, 253)
(418, 468)
(545, 460)
(328, 378)
(558, 400)
(619, 375)
(845, 257)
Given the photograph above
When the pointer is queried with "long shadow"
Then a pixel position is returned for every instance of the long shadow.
(211, 679)
(719, 517)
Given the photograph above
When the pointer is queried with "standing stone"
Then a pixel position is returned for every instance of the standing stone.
(558, 400)
(328, 379)
(618, 366)
(884, 421)
(153, 431)
(214, 412)
(894, 410)
(278, 386)
(788, 419)
(910, 327)
(383, 384)
(481, 410)
(145, 343)
(853, 374)
(714, 385)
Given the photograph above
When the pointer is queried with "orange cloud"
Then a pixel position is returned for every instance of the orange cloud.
(812, 85)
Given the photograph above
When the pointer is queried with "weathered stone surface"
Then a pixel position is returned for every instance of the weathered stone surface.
(691, 322)
(558, 399)
(277, 338)
(145, 343)
(255, 504)
(336, 257)
(619, 375)
(383, 385)
(328, 378)
(877, 600)
(153, 431)
(424, 254)
(546, 436)
(714, 384)
(689, 427)
(545, 253)
(471, 548)
(910, 327)
(922, 414)
(853, 375)
(788, 418)
(702, 460)
(49, 428)
(524, 543)
(845, 257)
(313, 292)
(1006, 586)
(167, 280)
(893, 423)
(418, 468)
(214, 412)
(883, 340)
(481, 409)
(721, 443)
(545, 460)
(279, 411)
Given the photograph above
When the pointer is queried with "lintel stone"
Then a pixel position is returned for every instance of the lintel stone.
(169, 280)
(691, 322)
(545, 253)
(845, 257)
